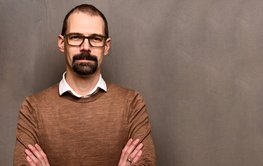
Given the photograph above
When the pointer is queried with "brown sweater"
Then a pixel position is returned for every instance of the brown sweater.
(83, 132)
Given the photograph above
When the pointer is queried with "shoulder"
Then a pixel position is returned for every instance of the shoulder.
(44, 97)
(46, 94)
(117, 89)
(122, 92)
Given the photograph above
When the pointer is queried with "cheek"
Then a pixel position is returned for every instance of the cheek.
(69, 55)
(100, 58)
(97, 52)
(70, 52)
(68, 59)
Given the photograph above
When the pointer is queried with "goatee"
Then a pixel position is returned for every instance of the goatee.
(85, 68)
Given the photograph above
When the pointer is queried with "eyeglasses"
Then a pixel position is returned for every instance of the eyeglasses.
(77, 39)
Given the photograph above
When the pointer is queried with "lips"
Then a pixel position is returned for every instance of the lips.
(85, 56)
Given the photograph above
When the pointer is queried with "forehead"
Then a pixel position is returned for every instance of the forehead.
(85, 23)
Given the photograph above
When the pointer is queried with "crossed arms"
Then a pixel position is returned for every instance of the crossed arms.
(121, 149)
(131, 153)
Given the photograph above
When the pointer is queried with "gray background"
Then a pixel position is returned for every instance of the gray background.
(198, 64)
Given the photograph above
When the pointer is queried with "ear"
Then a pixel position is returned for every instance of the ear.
(61, 43)
(107, 46)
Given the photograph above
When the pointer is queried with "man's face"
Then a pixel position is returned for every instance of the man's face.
(84, 59)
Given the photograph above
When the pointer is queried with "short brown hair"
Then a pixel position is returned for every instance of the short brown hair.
(85, 8)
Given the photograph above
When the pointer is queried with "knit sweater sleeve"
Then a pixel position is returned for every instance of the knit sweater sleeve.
(27, 131)
(140, 127)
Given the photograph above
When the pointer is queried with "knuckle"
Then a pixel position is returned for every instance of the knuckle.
(123, 150)
(41, 158)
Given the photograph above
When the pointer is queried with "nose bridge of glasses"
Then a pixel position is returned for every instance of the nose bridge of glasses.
(84, 41)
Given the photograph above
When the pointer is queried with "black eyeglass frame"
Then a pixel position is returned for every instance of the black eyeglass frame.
(85, 37)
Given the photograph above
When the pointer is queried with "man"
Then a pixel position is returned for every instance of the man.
(83, 120)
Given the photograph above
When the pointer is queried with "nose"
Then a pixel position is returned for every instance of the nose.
(85, 46)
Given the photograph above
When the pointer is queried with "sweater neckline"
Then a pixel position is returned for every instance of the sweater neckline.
(93, 97)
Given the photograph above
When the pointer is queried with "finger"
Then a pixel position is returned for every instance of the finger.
(135, 151)
(129, 148)
(30, 161)
(124, 151)
(132, 146)
(137, 156)
(128, 144)
(42, 153)
(31, 156)
(40, 158)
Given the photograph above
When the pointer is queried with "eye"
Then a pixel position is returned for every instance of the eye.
(75, 37)
(96, 38)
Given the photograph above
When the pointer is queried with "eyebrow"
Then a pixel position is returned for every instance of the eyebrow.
(93, 34)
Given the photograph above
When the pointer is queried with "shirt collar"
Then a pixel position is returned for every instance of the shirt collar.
(64, 87)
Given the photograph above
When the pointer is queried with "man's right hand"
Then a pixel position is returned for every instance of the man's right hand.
(36, 156)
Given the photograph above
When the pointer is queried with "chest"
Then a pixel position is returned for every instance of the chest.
(74, 128)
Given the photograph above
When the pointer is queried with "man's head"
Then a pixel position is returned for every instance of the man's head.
(84, 40)
(89, 9)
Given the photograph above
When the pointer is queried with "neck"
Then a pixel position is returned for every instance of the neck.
(82, 85)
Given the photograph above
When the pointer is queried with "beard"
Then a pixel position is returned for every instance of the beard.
(85, 68)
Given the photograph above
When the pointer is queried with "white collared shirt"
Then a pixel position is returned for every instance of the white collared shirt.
(64, 87)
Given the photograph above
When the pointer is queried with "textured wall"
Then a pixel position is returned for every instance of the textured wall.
(198, 64)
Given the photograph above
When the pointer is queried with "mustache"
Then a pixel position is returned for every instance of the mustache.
(84, 56)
